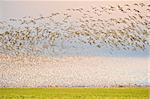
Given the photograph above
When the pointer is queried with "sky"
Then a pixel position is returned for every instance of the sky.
(21, 8)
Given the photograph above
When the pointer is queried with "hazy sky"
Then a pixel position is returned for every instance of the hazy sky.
(21, 8)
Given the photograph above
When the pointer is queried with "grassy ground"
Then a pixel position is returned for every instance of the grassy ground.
(74, 93)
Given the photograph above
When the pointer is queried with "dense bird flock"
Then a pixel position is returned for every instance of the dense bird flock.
(120, 27)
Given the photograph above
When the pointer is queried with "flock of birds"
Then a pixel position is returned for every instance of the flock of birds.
(120, 27)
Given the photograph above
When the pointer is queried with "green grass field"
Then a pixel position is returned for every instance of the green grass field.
(74, 93)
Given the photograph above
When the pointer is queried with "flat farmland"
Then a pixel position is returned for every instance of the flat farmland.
(74, 93)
